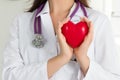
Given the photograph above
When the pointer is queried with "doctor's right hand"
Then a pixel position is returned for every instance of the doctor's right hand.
(65, 50)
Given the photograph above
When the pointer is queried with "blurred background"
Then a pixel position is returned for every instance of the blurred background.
(10, 8)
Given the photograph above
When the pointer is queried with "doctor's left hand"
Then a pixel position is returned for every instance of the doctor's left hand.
(81, 51)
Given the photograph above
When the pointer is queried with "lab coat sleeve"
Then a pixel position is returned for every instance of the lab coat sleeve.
(14, 67)
(106, 65)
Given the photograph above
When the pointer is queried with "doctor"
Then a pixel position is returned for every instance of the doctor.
(55, 60)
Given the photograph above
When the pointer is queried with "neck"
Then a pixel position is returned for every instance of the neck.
(58, 6)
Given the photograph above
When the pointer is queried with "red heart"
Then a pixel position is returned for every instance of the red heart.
(75, 33)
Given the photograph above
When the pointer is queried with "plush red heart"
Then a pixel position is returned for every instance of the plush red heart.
(75, 33)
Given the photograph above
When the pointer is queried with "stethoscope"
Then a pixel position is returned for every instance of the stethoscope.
(39, 40)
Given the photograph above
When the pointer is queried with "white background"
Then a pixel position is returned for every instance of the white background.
(10, 8)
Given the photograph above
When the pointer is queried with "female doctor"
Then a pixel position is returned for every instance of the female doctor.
(53, 59)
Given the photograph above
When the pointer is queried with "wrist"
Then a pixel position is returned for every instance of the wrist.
(81, 58)
(64, 58)
(84, 64)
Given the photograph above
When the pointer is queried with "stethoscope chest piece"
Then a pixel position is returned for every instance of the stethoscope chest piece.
(39, 41)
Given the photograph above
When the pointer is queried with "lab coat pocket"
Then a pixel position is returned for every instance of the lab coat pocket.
(34, 55)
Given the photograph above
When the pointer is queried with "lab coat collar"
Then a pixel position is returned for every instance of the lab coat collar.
(47, 10)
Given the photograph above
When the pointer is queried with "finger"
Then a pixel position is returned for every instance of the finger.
(91, 29)
(85, 19)
(90, 32)
(61, 23)
(82, 19)
(65, 20)
(88, 39)
(59, 28)
(59, 34)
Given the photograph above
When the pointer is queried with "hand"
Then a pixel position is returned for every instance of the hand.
(81, 51)
(65, 50)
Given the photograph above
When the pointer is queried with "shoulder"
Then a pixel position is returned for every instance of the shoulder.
(25, 16)
(96, 15)
(23, 20)
(100, 21)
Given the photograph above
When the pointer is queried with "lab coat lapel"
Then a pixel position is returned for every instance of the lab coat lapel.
(48, 33)
(47, 30)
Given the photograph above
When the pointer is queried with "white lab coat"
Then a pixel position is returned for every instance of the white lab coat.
(22, 61)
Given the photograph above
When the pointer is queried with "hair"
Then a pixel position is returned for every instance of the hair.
(37, 3)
